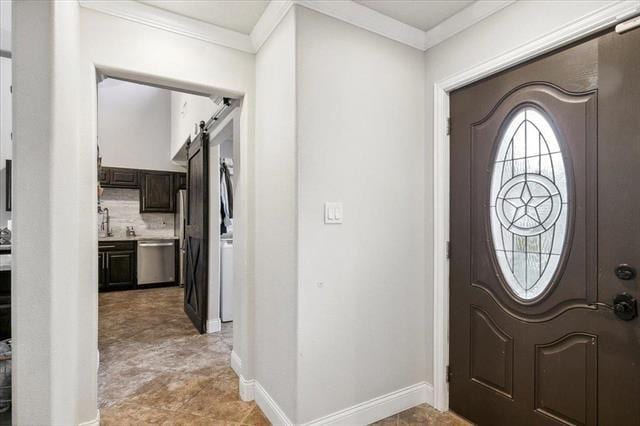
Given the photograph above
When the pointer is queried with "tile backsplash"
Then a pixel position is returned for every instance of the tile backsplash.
(124, 210)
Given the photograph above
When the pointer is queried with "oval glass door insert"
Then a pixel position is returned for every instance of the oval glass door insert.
(528, 200)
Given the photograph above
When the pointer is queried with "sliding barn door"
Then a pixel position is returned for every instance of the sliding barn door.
(197, 231)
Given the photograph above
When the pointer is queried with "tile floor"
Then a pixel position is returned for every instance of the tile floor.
(156, 369)
(422, 415)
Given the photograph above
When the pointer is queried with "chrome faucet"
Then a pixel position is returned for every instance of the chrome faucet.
(105, 226)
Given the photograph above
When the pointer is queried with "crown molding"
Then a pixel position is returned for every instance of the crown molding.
(271, 17)
(462, 20)
(165, 20)
(348, 11)
(368, 19)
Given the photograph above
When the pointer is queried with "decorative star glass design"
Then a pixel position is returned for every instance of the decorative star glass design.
(528, 201)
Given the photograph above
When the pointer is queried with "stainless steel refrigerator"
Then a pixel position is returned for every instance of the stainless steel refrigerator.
(181, 211)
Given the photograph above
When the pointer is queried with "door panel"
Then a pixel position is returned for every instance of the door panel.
(570, 360)
(533, 337)
(574, 117)
(121, 269)
(197, 231)
(491, 354)
(157, 193)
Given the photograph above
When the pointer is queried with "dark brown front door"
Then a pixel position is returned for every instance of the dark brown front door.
(197, 231)
(545, 171)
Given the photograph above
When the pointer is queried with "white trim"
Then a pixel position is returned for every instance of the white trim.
(214, 325)
(270, 407)
(363, 413)
(92, 422)
(169, 21)
(440, 238)
(369, 19)
(274, 13)
(247, 388)
(462, 20)
(579, 28)
(347, 11)
(236, 363)
(379, 408)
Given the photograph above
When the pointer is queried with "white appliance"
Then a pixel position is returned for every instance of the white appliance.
(180, 218)
(226, 280)
(156, 262)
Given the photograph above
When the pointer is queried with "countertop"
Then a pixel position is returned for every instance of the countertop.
(5, 262)
(137, 238)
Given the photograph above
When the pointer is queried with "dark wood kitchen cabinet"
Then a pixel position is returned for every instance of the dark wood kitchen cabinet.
(157, 192)
(181, 181)
(117, 265)
(102, 256)
(116, 177)
(121, 269)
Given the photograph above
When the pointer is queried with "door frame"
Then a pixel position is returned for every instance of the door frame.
(241, 114)
(597, 20)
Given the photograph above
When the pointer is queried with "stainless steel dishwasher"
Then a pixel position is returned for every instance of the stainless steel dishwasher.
(156, 262)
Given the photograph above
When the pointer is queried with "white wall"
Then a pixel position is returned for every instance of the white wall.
(275, 336)
(5, 26)
(5, 133)
(513, 26)
(134, 126)
(187, 111)
(53, 328)
(360, 129)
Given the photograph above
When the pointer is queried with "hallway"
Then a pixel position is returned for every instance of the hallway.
(156, 369)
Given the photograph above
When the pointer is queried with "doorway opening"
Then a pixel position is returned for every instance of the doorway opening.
(164, 351)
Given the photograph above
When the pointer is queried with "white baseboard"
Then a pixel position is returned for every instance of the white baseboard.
(214, 325)
(360, 414)
(380, 407)
(92, 422)
(269, 407)
(236, 363)
(247, 388)
(252, 390)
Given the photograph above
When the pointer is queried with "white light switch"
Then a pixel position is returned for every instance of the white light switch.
(332, 213)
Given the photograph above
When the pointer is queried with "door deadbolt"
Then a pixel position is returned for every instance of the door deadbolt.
(625, 307)
(625, 272)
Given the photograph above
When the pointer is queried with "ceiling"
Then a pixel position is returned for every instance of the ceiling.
(418, 13)
(240, 16)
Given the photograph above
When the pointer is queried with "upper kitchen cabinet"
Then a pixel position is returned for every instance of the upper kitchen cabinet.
(115, 177)
(157, 192)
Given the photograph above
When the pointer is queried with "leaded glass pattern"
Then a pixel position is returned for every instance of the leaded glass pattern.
(528, 201)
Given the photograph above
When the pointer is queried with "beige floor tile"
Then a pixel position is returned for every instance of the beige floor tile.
(256, 418)
(155, 368)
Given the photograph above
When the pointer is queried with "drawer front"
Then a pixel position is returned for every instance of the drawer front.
(116, 245)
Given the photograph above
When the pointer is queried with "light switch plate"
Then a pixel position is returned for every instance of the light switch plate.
(332, 213)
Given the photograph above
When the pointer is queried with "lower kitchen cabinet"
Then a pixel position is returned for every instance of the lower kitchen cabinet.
(117, 263)
(102, 257)
(121, 269)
